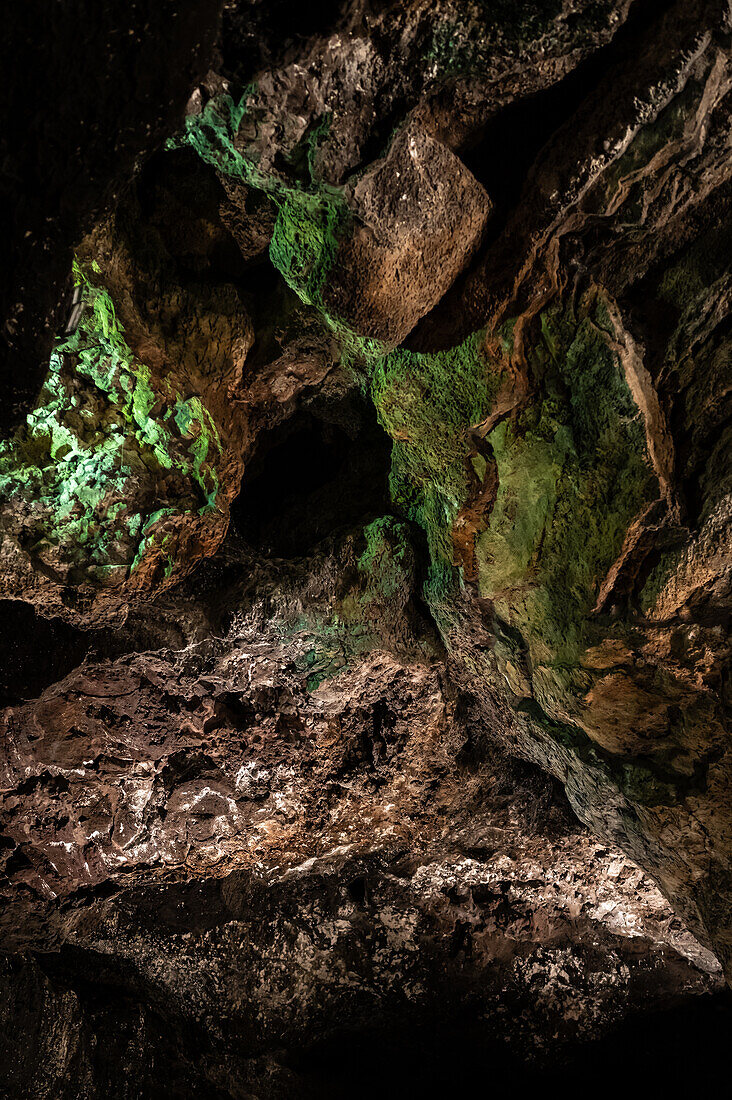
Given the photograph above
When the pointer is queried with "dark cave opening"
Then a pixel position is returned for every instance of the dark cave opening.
(36, 652)
(319, 472)
(670, 1047)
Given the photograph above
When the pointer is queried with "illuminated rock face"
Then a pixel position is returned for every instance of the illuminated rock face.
(385, 441)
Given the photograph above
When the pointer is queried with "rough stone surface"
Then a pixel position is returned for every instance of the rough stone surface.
(420, 217)
(365, 557)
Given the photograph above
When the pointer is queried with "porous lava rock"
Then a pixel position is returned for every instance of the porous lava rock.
(373, 520)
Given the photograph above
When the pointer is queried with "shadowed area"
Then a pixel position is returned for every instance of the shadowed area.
(324, 476)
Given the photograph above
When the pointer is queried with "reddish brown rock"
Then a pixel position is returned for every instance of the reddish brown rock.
(420, 218)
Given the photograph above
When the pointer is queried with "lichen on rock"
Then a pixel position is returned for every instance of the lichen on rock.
(84, 457)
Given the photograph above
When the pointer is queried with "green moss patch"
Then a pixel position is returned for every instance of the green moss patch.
(428, 403)
(312, 218)
(91, 460)
(573, 473)
(371, 613)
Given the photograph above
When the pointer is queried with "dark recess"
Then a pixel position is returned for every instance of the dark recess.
(257, 32)
(515, 137)
(89, 90)
(310, 478)
(35, 652)
(504, 153)
(667, 1049)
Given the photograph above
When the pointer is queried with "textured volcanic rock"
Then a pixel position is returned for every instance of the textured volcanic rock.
(420, 215)
(121, 479)
(288, 834)
(306, 861)
(384, 439)
(542, 417)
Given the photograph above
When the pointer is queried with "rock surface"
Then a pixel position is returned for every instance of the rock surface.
(373, 521)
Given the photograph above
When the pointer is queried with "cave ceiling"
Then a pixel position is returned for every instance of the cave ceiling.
(365, 523)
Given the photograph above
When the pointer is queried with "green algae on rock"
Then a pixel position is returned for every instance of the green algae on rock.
(429, 404)
(311, 218)
(105, 457)
(371, 262)
(374, 608)
(573, 474)
(290, 747)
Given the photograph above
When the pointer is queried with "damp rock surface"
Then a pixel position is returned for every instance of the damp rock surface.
(364, 543)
